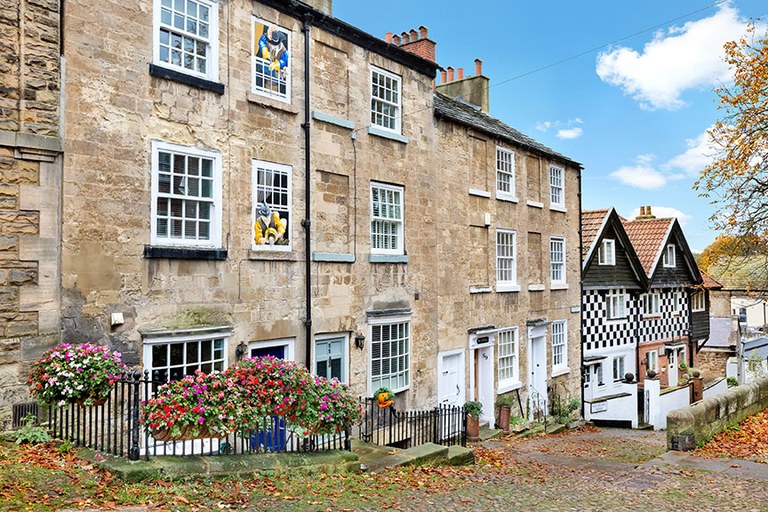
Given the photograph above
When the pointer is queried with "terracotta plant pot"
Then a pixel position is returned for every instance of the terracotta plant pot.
(473, 428)
(505, 412)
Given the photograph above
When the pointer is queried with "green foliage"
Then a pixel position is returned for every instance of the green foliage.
(505, 400)
(383, 390)
(563, 409)
(732, 381)
(516, 420)
(66, 447)
(32, 433)
(473, 408)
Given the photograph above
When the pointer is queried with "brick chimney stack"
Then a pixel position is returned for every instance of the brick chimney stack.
(415, 42)
(645, 213)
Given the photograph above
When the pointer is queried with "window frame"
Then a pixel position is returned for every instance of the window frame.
(390, 321)
(553, 264)
(654, 359)
(508, 362)
(212, 53)
(556, 173)
(398, 223)
(652, 299)
(398, 107)
(559, 340)
(507, 285)
(255, 61)
(216, 206)
(618, 364)
(669, 258)
(610, 307)
(170, 339)
(696, 297)
(606, 253)
(326, 339)
(510, 172)
(274, 168)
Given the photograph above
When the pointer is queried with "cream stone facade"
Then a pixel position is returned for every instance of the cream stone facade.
(30, 174)
(182, 119)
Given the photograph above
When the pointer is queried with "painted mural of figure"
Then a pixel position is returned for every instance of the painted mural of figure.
(273, 46)
(269, 228)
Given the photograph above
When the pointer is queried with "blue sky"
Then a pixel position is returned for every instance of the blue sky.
(634, 112)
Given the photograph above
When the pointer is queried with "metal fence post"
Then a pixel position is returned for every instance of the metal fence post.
(134, 452)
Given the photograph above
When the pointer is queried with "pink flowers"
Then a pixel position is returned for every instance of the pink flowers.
(255, 388)
(67, 373)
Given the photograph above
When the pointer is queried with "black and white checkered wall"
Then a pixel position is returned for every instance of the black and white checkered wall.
(598, 332)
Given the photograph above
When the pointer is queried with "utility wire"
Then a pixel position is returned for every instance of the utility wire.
(581, 54)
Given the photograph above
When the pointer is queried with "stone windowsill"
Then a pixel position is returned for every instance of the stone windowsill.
(273, 255)
(265, 101)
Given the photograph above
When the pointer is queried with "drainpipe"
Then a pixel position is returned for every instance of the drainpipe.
(581, 309)
(307, 222)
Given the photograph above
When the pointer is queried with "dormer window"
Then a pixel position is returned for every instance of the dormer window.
(606, 255)
(669, 256)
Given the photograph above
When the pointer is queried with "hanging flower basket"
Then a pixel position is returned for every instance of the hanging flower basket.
(75, 373)
(90, 401)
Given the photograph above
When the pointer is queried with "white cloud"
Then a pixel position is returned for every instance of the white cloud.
(684, 57)
(665, 212)
(566, 129)
(570, 133)
(641, 175)
(699, 154)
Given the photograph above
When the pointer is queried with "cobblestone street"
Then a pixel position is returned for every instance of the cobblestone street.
(605, 469)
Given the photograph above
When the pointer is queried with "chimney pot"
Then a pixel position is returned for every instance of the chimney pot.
(450, 74)
(642, 211)
(442, 76)
(404, 37)
(478, 67)
(414, 36)
(648, 211)
(396, 40)
(423, 32)
(461, 73)
(388, 37)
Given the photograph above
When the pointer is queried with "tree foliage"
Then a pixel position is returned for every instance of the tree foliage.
(737, 179)
(738, 262)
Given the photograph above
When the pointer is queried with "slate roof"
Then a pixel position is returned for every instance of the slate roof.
(464, 114)
(720, 333)
(647, 237)
(591, 222)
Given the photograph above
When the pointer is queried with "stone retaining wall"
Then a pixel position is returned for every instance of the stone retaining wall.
(689, 426)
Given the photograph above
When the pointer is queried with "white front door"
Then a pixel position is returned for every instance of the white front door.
(450, 378)
(672, 368)
(483, 382)
(537, 369)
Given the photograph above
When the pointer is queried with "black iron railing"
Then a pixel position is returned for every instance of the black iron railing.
(444, 425)
(114, 427)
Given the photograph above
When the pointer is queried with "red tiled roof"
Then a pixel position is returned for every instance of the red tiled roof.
(647, 236)
(709, 282)
(591, 222)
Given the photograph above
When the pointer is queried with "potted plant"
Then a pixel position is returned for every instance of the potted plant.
(384, 397)
(473, 410)
(504, 404)
(82, 374)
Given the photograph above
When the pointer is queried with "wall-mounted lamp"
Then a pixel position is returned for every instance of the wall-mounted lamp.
(359, 341)
(240, 350)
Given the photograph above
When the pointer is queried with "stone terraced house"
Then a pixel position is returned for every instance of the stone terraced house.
(228, 179)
